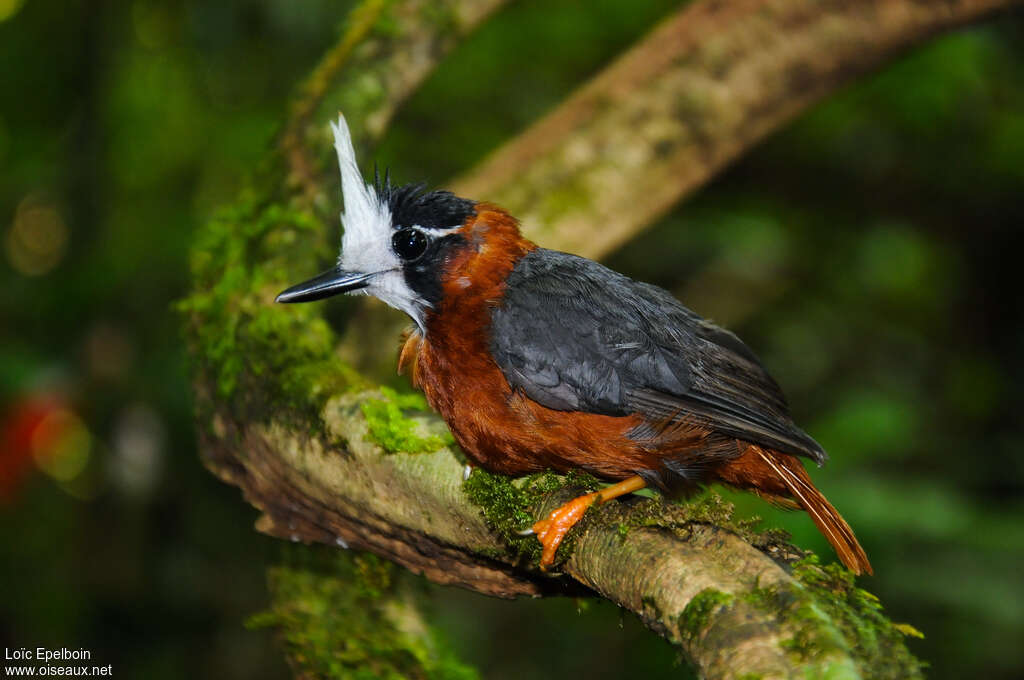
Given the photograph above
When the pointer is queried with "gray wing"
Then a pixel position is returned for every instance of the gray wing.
(573, 335)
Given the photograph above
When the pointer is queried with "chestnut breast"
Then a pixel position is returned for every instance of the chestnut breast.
(497, 427)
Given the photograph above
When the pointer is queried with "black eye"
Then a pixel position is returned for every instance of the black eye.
(409, 243)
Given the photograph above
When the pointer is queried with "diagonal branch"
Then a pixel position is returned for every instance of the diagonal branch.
(386, 50)
(705, 86)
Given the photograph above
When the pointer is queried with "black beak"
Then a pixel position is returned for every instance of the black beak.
(333, 282)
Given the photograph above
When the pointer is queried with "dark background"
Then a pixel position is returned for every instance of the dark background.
(870, 253)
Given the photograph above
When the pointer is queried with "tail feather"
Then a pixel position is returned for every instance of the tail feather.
(828, 520)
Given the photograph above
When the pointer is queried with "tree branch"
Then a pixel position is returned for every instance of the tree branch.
(727, 596)
(386, 50)
(705, 86)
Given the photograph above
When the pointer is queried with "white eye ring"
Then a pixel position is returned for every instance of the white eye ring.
(437, 231)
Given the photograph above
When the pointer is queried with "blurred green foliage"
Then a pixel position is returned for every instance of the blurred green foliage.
(869, 253)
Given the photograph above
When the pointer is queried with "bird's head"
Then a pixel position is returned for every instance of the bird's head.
(398, 242)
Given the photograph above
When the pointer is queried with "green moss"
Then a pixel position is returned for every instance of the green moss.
(874, 640)
(908, 630)
(386, 23)
(392, 430)
(506, 508)
(813, 640)
(562, 199)
(697, 615)
(442, 17)
(350, 617)
(509, 505)
(711, 508)
(257, 356)
(680, 515)
(859, 629)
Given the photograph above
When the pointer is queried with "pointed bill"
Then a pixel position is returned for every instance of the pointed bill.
(368, 264)
(326, 285)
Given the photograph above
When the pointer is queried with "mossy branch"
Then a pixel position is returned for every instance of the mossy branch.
(349, 615)
(735, 601)
(386, 49)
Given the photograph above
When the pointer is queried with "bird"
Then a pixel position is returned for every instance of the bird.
(543, 360)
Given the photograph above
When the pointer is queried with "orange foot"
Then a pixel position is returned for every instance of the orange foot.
(552, 530)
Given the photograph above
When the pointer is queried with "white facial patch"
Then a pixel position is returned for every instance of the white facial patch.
(366, 241)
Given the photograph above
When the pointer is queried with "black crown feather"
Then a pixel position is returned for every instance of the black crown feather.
(412, 205)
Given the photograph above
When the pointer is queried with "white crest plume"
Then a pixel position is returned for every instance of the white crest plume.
(366, 240)
(366, 219)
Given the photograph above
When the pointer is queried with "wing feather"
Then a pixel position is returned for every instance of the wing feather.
(573, 335)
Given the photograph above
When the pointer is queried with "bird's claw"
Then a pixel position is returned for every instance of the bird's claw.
(552, 530)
